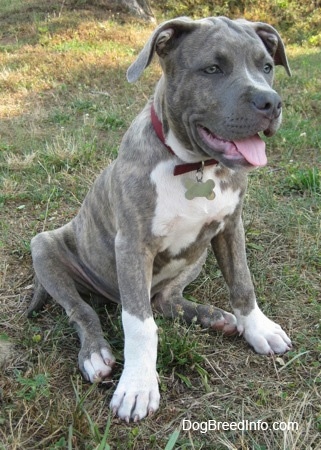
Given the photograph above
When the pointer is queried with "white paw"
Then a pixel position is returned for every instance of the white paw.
(98, 366)
(264, 335)
(137, 394)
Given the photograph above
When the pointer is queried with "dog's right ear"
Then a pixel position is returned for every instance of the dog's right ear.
(161, 41)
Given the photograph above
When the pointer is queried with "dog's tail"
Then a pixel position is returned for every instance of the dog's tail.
(40, 297)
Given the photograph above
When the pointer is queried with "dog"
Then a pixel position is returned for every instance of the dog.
(177, 186)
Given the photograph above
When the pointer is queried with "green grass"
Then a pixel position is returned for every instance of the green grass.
(65, 106)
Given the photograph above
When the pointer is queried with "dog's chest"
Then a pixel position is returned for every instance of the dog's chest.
(179, 221)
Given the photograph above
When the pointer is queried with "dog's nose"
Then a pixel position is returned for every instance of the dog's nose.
(267, 103)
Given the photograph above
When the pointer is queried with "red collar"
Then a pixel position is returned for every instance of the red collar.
(180, 168)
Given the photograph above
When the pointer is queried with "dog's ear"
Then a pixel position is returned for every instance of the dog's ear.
(273, 43)
(161, 41)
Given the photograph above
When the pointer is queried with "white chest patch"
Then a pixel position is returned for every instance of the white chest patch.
(178, 220)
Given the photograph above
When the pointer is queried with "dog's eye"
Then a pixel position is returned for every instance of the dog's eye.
(212, 69)
(268, 68)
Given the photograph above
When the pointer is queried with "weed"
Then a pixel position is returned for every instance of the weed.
(178, 350)
(32, 388)
(305, 180)
(111, 122)
(172, 440)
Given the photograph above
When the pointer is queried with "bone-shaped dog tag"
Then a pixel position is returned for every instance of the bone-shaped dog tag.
(199, 189)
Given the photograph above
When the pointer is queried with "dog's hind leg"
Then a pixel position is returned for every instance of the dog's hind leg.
(171, 303)
(53, 278)
(175, 305)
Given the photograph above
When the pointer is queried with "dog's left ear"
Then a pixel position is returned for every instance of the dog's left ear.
(161, 41)
(273, 43)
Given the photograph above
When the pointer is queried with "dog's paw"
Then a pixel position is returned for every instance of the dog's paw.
(264, 335)
(136, 396)
(226, 324)
(96, 366)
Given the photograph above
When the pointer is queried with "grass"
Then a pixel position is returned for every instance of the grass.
(65, 105)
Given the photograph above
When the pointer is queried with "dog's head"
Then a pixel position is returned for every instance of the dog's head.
(217, 85)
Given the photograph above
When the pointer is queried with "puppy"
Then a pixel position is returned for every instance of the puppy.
(177, 187)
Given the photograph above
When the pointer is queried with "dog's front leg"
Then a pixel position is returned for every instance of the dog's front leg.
(264, 335)
(137, 393)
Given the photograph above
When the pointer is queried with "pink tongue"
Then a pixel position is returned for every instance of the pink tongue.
(253, 150)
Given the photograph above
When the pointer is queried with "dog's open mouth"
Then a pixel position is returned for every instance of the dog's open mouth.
(252, 149)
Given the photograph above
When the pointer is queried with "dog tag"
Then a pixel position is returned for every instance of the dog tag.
(199, 189)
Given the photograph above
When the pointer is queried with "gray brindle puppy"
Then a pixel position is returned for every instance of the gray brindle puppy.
(177, 186)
